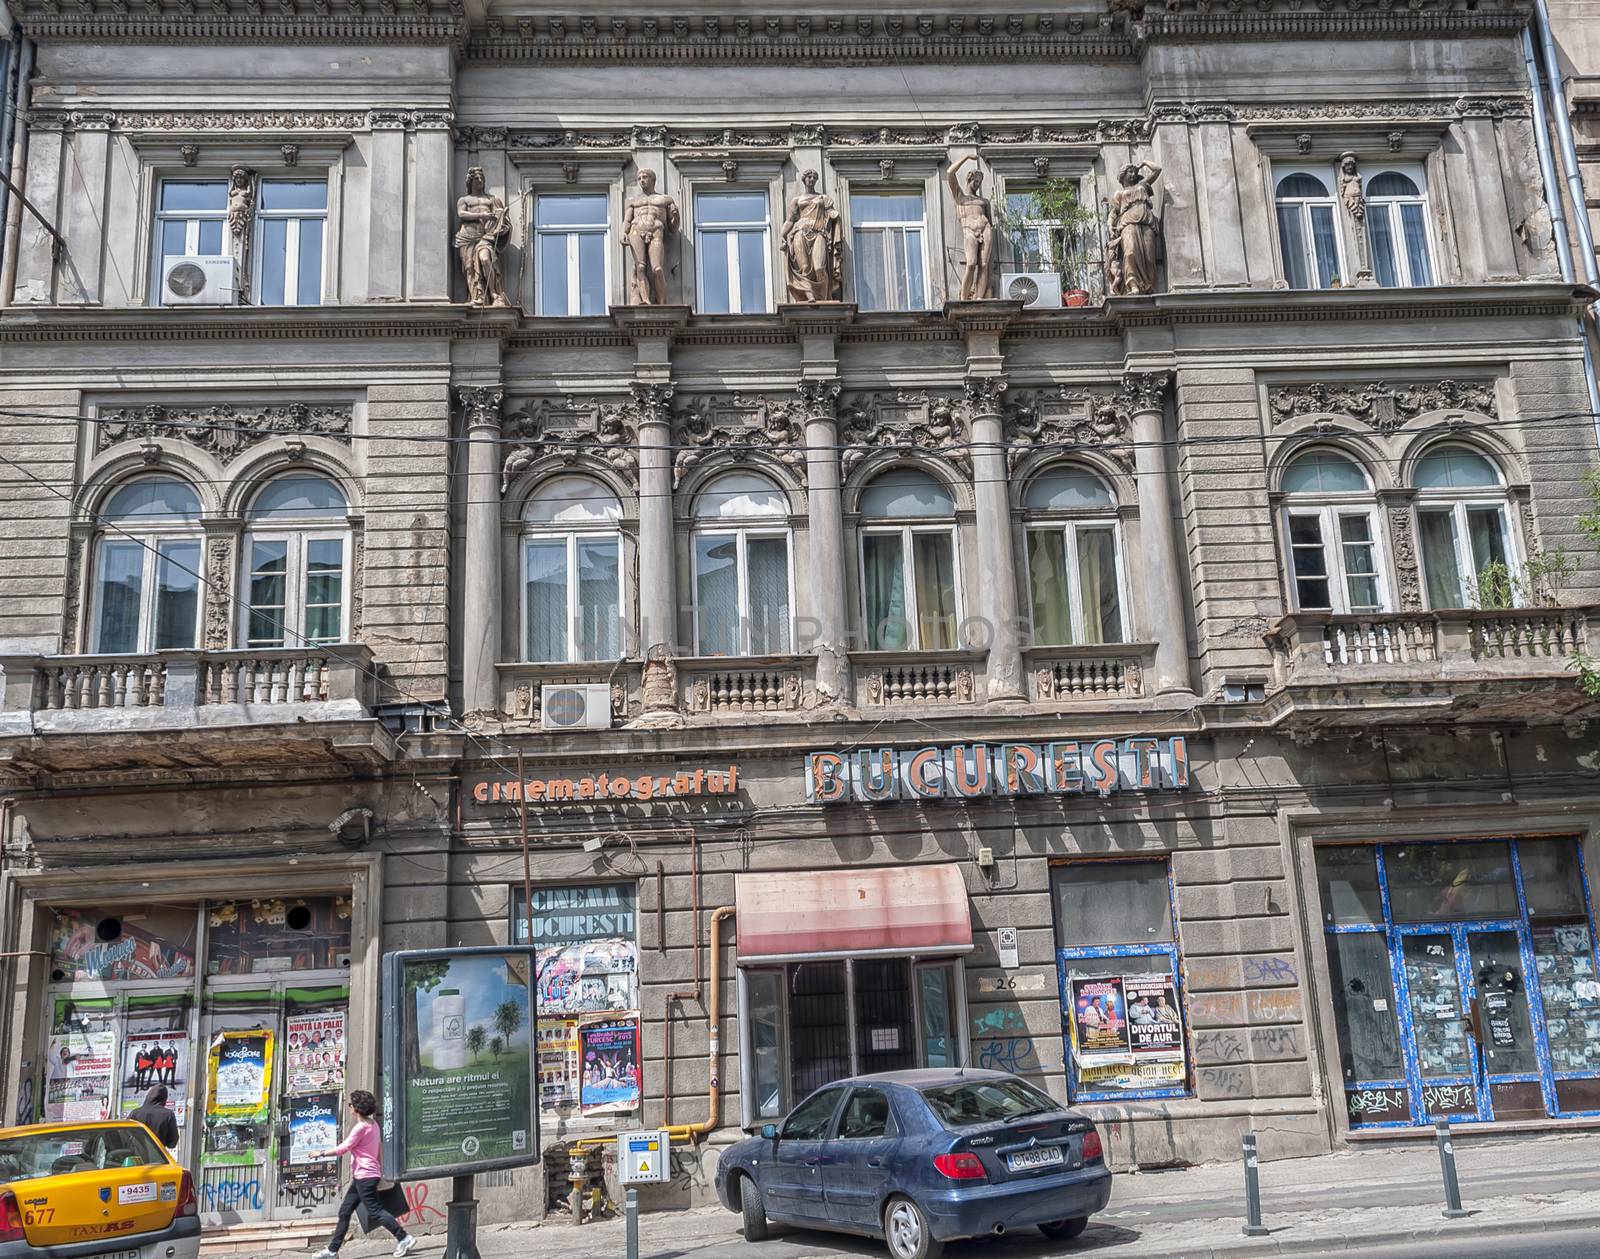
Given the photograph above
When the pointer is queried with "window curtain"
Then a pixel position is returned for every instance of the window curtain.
(768, 561)
(717, 594)
(1097, 586)
(599, 601)
(1292, 237)
(1439, 564)
(1415, 228)
(1047, 583)
(936, 591)
(1384, 262)
(121, 581)
(1327, 247)
(546, 567)
(883, 574)
(177, 595)
(1484, 527)
(869, 270)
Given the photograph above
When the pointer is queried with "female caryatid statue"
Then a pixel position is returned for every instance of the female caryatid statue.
(811, 239)
(1134, 231)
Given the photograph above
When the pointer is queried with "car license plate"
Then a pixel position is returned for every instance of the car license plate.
(1026, 1160)
(123, 1254)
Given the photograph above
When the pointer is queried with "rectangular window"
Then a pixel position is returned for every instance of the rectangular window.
(296, 588)
(909, 608)
(1441, 882)
(1072, 573)
(120, 596)
(1333, 554)
(1458, 543)
(1119, 971)
(571, 618)
(731, 242)
(290, 227)
(742, 601)
(571, 234)
(191, 221)
(1041, 242)
(890, 263)
(177, 594)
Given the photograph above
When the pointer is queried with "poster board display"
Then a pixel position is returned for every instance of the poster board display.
(608, 1052)
(558, 1063)
(1127, 1032)
(239, 1065)
(151, 1058)
(459, 1086)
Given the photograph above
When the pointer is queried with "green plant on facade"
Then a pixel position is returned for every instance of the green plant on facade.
(1580, 662)
(1073, 228)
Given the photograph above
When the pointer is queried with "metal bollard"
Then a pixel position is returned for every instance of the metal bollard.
(633, 1224)
(1447, 1163)
(1252, 1189)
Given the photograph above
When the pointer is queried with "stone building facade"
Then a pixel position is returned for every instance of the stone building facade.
(1162, 694)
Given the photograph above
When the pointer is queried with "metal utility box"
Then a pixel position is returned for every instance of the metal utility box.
(643, 1158)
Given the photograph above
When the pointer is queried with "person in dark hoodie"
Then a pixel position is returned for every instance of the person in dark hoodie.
(155, 1116)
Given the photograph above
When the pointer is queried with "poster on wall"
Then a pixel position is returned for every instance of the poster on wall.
(1100, 1020)
(151, 1058)
(588, 978)
(158, 945)
(313, 1128)
(608, 1055)
(240, 1069)
(459, 1061)
(558, 1063)
(313, 1051)
(1155, 1032)
(79, 1062)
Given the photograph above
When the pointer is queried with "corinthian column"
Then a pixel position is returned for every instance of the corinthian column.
(480, 637)
(1144, 394)
(658, 602)
(819, 400)
(997, 565)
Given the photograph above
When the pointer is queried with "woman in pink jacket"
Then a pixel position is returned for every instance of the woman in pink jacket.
(366, 1169)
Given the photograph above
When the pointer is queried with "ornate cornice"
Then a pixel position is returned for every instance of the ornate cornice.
(235, 122)
(245, 21)
(222, 430)
(1178, 21)
(907, 422)
(1381, 406)
(739, 423)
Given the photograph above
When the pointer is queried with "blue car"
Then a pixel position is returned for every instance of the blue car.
(921, 1158)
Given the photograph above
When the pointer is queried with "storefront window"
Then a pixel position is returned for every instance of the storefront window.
(122, 945)
(1349, 882)
(1443, 882)
(1118, 958)
(277, 934)
(764, 1011)
(1551, 880)
(936, 992)
(1363, 1006)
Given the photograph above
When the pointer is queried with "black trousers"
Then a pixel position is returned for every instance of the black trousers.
(362, 1191)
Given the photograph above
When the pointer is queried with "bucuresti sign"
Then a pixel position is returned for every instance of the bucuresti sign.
(968, 771)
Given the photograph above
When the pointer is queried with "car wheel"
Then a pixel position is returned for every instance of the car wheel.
(1064, 1230)
(905, 1228)
(755, 1214)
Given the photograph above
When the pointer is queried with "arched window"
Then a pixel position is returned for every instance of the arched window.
(742, 600)
(1073, 558)
(908, 563)
(1397, 223)
(1331, 524)
(147, 570)
(1307, 231)
(1463, 526)
(297, 551)
(572, 572)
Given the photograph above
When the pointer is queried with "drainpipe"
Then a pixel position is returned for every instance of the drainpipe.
(17, 173)
(1574, 179)
(9, 52)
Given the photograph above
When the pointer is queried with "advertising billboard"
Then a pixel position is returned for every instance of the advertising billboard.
(459, 1091)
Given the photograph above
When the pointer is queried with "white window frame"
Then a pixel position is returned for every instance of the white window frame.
(149, 539)
(1038, 522)
(1390, 207)
(291, 243)
(742, 535)
(730, 232)
(1328, 512)
(572, 537)
(921, 224)
(191, 219)
(294, 610)
(1302, 207)
(1458, 502)
(909, 577)
(573, 235)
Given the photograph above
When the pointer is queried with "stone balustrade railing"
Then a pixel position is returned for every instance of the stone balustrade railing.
(1101, 671)
(338, 673)
(709, 685)
(896, 678)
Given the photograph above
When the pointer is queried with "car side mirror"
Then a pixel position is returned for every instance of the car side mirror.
(769, 1131)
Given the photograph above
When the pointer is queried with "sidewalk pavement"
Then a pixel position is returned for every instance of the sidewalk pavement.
(1350, 1200)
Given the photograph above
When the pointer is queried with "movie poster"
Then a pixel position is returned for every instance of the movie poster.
(151, 1058)
(1100, 1020)
(80, 1063)
(313, 1127)
(313, 1051)
(558, 1063)
(608, 1055)
(241, 1075)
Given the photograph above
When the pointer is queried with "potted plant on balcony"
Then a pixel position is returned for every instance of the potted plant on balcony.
(1050, 229)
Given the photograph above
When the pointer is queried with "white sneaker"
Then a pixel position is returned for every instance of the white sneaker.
(404, 1248)
(325, 1253)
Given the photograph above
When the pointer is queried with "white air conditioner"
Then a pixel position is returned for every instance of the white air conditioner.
(585, 707)
(1036, 290)
(198, 280)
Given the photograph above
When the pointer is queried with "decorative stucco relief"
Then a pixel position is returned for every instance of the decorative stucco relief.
(906, 421)
(223, 429)
(1069, 417)
(1381, 406)
(573, 430)
(1403, 547)
(219, 592)
(738, 422)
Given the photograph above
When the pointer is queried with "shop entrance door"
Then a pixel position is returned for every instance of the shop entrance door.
(1502, 1025)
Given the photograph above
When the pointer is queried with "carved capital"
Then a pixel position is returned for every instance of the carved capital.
(982, 396)
(480, 406)
(652, 402)
(819, 399)
(1145, 391)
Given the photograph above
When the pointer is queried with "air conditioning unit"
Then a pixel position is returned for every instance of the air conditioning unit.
(198, 280)
(1036, 290)
(585, 707)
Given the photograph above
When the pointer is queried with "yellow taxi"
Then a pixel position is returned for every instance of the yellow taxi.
(71, 1190)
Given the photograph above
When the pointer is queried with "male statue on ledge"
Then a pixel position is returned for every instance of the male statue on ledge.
(977, 232)
(1132, 231)
(484, 227)
(810, 239)
(645, 224)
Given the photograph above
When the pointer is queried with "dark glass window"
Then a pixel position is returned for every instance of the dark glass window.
(1348, 880)
(1551, 880)
(1112, 902)
(810, 1119)
(1443, 882)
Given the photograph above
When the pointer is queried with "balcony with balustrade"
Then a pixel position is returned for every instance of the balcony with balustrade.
(1455, 664)
(190, 711)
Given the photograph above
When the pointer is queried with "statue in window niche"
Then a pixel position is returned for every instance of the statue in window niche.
(1133, 232)
(811, 239)
(645, 224)
(1355, 205)
(482, 231)
(977, 232)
